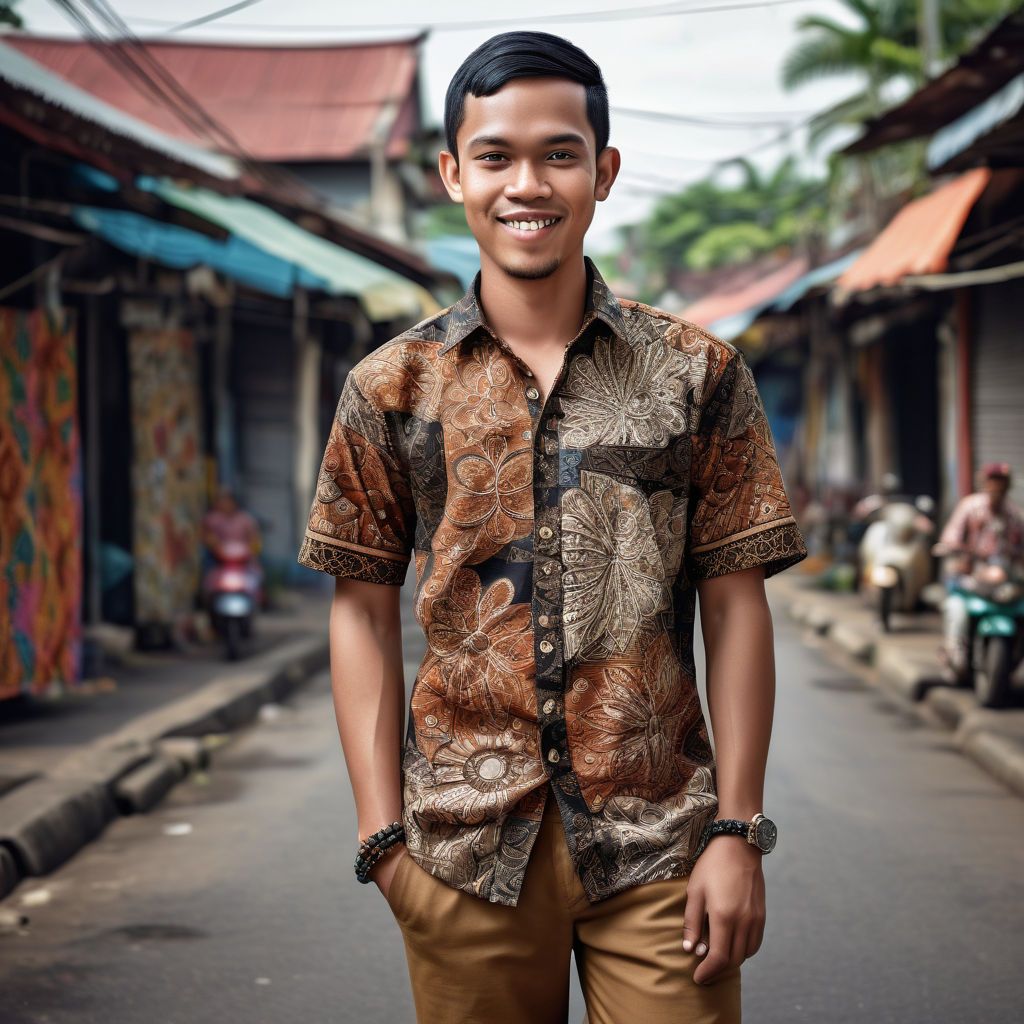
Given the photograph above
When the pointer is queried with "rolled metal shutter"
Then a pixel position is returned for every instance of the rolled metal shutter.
(997, 379)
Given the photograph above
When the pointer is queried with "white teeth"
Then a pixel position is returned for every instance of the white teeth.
(530, 225)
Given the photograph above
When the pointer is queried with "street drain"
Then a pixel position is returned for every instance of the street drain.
(838, 683)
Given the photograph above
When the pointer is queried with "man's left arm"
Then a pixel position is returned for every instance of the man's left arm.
(725, 898)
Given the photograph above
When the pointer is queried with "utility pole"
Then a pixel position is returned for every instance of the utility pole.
(930, 36)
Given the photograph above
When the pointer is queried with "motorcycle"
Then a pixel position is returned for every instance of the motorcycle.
(895, 557)
(232, 593)
(995, 605)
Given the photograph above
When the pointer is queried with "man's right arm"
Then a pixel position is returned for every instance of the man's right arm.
(367, 681)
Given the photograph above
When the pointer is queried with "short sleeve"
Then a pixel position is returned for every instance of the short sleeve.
(362, 520)
(740, 516)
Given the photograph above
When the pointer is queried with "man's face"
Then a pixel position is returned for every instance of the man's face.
(528, 174)
(996, 487)
(226, 504)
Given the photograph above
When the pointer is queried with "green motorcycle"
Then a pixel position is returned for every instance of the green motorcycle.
(996, 611)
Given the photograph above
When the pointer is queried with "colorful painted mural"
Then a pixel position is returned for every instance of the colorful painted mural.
(167, 474)
(40, 503)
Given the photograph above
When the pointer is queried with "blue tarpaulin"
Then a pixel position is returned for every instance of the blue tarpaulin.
(179, 247)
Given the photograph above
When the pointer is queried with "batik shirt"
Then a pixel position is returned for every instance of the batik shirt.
(557, 544)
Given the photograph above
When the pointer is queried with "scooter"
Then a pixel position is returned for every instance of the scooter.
(232, 594)
(895, 557)
(995, 604)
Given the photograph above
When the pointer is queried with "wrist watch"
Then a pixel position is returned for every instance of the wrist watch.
(760, 831)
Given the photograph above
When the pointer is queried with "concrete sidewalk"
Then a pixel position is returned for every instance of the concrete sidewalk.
(116, 745)
(906, 663)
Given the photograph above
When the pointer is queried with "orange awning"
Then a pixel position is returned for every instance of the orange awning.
(919, 239)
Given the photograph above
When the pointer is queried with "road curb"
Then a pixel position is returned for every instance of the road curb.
(45, 821)
(985, 736)
(999, 755)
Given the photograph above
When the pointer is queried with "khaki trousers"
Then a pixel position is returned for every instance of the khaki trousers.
(475, 962)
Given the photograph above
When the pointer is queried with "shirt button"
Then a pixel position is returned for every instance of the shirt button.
(430, 721)
(527, 434)
(546, 646)
(545, 532)
(553, 756)
(549, 706)
(532, 393)
(547, 569)
(543, 620)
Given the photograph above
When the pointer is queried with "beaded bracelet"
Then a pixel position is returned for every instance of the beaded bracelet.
(373, 848)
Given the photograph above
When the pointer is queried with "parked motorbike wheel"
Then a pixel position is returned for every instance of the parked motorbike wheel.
(886, 599)
(993, 668)
(233, 638)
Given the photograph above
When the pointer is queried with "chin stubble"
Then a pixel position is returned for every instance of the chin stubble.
(533, 273)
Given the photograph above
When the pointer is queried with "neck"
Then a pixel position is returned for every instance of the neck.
(534, 311)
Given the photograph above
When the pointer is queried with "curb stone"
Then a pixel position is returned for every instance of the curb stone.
(854, 642)
(984, 736)
(9, 874)
(45, 821)
(146, 785)
(999, 755)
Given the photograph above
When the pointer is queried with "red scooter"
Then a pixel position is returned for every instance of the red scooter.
(232, 589)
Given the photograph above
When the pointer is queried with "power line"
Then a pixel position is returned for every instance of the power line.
(615, 14)
(706, 122)
(129, 55)
(215, 15)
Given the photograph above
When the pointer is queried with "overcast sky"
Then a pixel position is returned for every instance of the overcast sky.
(721, 64)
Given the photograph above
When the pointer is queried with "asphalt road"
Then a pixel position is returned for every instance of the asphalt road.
(894, 895)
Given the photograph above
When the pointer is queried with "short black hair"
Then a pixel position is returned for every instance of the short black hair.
(513, 55)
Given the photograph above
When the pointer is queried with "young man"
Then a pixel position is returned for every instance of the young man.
(568, 472)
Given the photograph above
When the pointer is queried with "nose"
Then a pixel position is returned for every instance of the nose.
(528, 182)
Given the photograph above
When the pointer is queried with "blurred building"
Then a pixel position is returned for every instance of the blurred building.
(171, 318)
(343, 118)
(904, 355)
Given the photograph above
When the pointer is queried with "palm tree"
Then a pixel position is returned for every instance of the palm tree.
(880, 47)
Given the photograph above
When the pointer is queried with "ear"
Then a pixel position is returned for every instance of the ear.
(448, 168)
(608, 161)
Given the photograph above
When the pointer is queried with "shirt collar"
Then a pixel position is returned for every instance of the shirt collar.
(466, 316)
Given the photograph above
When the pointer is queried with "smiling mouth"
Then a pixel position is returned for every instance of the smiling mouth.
(529, 225)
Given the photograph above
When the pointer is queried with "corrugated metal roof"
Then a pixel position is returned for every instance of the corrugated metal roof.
(29, 78)
(979, 73)
(721, 305)
(282, 103)
(919, 239)
(996, 124)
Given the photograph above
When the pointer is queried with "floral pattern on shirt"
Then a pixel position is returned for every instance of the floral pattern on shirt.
(557, 544)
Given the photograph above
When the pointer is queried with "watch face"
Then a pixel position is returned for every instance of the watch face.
(765, 835)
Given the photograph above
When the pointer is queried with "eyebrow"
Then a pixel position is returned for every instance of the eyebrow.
(552, 140)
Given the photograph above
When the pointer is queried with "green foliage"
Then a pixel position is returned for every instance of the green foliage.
(883, 45)
(9, 16)
(710, 224)
(445, 219)
(729, 244)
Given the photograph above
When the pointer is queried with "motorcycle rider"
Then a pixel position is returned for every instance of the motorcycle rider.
(227, 522)
(986, 528)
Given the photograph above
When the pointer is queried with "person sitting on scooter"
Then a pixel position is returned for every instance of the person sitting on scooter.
(985, 528)
(227, 522)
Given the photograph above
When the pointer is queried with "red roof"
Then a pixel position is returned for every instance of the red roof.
(727, 303)
(281, 103)
(919, 239)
